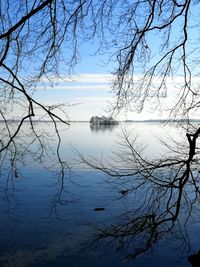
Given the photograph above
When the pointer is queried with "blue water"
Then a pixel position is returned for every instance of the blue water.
(44, 222)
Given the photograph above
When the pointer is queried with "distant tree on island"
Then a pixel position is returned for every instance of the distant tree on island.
(95, 120)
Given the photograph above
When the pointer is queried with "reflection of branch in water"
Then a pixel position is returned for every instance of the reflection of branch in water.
(166, 191)
(33, 144)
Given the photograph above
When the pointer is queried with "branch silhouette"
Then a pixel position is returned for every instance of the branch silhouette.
(165, 193)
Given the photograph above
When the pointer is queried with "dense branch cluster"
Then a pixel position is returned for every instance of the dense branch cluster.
(154, 45)
(151, 43)
(164, 189)
(171, 28)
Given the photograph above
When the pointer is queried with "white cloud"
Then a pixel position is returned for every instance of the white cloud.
(93, 100)
(86, 101)
(92, 104)
(81, 78)
(97, 78)
(76, 87)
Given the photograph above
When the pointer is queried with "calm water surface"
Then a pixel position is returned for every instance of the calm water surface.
(45, 221)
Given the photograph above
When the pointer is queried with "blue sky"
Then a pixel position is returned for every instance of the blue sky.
(88, 94)
(89, 91)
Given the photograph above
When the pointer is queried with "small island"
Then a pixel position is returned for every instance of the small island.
(95, 120)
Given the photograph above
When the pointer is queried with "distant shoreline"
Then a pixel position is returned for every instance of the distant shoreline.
(125, 121)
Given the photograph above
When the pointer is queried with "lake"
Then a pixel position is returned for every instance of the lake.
(47, 219)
